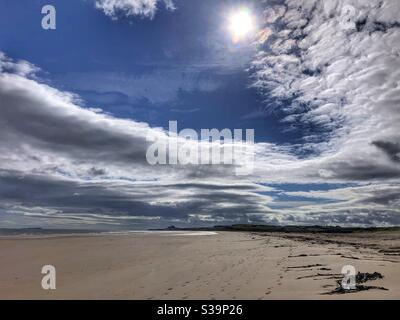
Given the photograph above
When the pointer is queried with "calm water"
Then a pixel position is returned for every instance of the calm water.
(55, 232)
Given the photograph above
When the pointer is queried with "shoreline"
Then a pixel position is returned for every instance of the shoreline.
(102, 234)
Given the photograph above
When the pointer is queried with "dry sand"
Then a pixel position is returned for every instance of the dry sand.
(228, 265)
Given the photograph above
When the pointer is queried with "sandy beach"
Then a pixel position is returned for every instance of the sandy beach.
(226, 265)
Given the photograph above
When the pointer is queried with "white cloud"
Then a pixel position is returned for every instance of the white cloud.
(69, 163)
(343, 81)
(22, 67)
(144, 8)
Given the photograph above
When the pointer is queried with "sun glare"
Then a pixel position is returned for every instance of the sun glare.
(241, 23)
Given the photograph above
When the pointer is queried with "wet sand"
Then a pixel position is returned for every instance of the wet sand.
(227, 265)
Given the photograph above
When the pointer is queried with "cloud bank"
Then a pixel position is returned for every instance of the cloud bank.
(62, 163)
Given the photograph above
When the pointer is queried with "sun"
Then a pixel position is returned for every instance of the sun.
(241, 23)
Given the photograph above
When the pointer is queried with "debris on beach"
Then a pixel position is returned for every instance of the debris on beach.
(360, 278)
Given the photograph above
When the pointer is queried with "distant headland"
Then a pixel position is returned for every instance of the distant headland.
(283, 229)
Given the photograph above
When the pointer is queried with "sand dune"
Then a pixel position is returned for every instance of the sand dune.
(227, 265)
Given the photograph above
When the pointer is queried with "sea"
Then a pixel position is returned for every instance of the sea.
(6, 232)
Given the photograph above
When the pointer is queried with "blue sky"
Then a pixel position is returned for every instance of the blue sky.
(306, 80)
(190, 65)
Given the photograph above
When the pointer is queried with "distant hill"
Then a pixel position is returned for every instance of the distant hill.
(284, 229)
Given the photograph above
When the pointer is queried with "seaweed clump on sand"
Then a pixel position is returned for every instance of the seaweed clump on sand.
(360, 278)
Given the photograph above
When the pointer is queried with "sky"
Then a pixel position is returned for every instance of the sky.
(317, 81)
